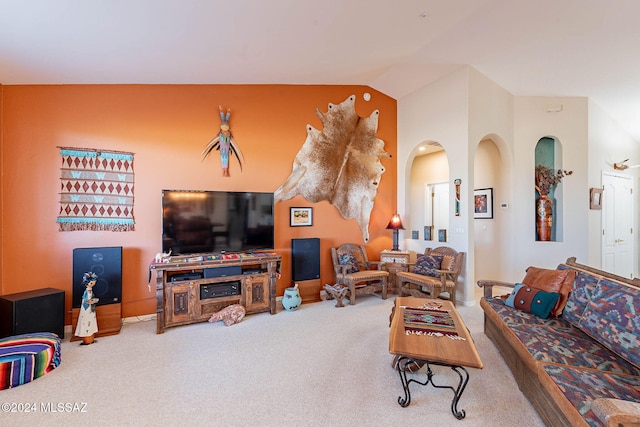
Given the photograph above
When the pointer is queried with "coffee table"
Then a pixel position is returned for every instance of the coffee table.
(417, 343)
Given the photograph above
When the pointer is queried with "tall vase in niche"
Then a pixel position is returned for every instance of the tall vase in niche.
(544, 218)
(546, 179)
(291, 299)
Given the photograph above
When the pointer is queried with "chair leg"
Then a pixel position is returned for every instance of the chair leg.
(384, 288)
(352, 294)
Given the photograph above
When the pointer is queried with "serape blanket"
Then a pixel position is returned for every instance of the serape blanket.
(26, 357)
(96, 190)
(430, 321)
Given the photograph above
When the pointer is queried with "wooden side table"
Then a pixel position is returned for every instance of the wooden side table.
(394, 261)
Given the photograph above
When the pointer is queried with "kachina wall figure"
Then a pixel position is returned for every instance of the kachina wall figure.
(224, 143)
(87, 323)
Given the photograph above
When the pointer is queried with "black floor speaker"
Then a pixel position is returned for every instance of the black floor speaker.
(305, 259)
(106, 263)
(41, 310)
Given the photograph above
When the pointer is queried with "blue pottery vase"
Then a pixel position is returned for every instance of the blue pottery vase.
(291, 299)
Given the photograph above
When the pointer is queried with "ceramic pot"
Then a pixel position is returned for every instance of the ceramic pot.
(544, 218)
(291, 299)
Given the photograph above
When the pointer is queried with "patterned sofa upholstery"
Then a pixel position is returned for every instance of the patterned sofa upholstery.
(582, 367)
(23, 358)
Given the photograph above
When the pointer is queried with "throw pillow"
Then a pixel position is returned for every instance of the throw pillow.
(350, 260)
(611, 318)
(559, 281)
(447, 262)
(427, 265)
(532, 300)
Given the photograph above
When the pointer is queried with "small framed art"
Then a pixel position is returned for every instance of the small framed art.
(442, 235)
(483, 203)
(427, 232)
(595, 198)
(301, 217)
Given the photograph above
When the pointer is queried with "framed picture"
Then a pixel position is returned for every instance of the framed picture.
(442, 235)
(483, 203)
(415, 234)
(301, 217)
(595, 198)
(427, 232)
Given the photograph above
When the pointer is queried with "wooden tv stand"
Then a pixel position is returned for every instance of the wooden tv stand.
(189, 289)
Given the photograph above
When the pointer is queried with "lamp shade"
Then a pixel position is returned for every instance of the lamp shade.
(395, 223)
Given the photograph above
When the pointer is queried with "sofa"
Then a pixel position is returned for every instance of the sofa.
(570, 336)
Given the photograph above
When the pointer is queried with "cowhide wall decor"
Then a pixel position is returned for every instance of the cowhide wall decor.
(340, 164)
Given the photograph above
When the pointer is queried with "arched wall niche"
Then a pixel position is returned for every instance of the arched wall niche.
(549, 221)
(492, 237)
(428, 171)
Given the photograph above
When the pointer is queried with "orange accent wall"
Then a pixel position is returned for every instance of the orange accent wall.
(166, 127)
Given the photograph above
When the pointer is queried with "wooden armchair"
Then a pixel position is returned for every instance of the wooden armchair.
(444, 279)
(355, 274)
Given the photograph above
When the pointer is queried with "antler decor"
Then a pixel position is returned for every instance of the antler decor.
(547, 178)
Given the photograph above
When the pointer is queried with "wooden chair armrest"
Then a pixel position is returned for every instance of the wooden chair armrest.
(377, 264)
(616, 412)
(489, 284)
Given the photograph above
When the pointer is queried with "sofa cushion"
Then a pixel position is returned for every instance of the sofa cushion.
(612, 318)
(582, 386)
(427, 265)
(532, 300)
(495, 306)
(572, 347)
(559, 281)
(579, 297)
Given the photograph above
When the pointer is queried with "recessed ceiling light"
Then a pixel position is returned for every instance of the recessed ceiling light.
(423, 14)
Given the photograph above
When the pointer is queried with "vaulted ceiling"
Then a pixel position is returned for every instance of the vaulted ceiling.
(586, 48)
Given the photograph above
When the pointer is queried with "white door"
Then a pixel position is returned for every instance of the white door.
(617, 224)
(437, 212)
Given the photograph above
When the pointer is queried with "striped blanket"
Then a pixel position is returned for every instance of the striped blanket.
(24, 358)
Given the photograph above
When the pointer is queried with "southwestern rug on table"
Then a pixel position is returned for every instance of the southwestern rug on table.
(96, 190)
(430, 321)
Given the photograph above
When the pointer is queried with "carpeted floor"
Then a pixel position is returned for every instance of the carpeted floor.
(317, 366)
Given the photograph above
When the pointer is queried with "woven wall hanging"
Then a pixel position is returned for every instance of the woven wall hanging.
(96, 190)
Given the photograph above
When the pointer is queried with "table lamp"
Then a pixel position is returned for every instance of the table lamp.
(395, 224)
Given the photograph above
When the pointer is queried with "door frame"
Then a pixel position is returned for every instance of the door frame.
(603, 235)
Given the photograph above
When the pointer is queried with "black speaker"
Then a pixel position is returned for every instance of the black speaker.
(41, 310)
(305, 259)
(106, 263)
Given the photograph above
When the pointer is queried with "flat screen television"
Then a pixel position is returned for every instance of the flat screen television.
(216, 221)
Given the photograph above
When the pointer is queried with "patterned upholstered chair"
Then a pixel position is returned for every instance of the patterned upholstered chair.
(355, 274)
(433, 273)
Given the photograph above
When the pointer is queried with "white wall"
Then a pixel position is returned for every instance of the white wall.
(489, 235)
(491, 118)
(464, 108)
(438, 112)
(569, 127)
(608, 143)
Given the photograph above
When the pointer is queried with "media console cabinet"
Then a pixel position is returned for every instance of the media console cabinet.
(189, 289)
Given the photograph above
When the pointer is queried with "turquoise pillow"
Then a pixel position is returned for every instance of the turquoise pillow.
(532, 300)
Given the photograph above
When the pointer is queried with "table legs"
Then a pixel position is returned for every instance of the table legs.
(463, 376)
